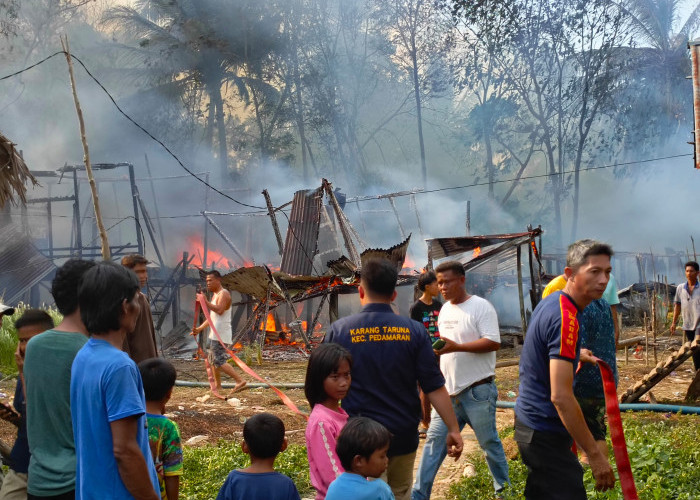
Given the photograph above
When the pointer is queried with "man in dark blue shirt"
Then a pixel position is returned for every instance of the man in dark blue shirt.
(391, 356)
(547, 415)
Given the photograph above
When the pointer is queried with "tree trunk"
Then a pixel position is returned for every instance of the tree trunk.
(215, 94)
(419, 116)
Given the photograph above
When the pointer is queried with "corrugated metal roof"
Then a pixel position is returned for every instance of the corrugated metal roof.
(490, 245)
(21, 265)
(396, 254)
(302, 234)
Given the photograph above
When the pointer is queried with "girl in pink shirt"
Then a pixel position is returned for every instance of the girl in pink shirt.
(327, 382)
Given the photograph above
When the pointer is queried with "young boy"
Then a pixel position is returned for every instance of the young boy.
(362, 447)
(158, 377)
(31, 323)
(263, 439)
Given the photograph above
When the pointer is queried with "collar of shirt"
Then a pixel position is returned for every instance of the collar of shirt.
(377, 307)
(694, 286)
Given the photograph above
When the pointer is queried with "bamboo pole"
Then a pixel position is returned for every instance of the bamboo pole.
(86, 154)
(646, 343)
(654, 325)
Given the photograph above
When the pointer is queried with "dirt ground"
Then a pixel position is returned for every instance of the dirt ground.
(212, 419)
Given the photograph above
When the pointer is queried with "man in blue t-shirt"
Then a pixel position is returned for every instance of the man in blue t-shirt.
(106, 393)
(547, 415)
(391, 356)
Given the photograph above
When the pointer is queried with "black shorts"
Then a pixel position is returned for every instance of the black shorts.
(217, 354)
(554, 472)
(594, 413)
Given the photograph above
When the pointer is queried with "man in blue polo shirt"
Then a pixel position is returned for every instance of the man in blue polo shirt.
(547, 415)
(391, 356)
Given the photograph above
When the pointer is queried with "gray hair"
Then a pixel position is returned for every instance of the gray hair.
(579, 251)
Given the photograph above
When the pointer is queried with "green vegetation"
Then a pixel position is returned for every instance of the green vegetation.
(206, 468)
(8, 338)
(663, 451)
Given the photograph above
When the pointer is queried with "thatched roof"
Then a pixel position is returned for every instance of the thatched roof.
(14, 173)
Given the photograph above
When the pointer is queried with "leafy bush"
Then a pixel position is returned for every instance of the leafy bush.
(663, 452)
(207, 467)
(8, 337)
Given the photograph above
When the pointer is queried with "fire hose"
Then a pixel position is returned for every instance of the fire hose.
(201, 303)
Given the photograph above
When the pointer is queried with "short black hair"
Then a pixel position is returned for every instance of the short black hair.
(379, 276)
(102, 290)
(32, 317)
(214, 272)
(361, 436)
(323, 361)
(264, 435)
(425, 279)
(692, 264)
(158, 376)
(451, 265)
(64, 286)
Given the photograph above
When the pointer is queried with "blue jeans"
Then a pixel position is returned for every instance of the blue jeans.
(476, 407)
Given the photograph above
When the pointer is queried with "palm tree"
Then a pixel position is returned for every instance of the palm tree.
(659, 64)
(178, 45)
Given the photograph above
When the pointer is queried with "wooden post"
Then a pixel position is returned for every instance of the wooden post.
(469, 218)
(156, 211)
(273, 219)
(134, 196)
(520, 289)
(206, 226)
(653, 324)
(415, 207)
(76, 216)
(50, 225)
(398, 219)
(646, 337)
(88, 167)
(535, 292)
(333, 307)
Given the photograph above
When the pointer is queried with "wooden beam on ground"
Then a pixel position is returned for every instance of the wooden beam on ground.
(661, 371)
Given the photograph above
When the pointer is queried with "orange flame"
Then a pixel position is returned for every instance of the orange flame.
(408, 263)
(476, 252)
(269, 324)
(196, 247)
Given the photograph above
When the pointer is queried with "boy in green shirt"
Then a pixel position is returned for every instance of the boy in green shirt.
(158, 377)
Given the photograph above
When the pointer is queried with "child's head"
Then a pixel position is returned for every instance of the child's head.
(327, 374)
(31, 323)
(362, 447)
(263, 436)
(426, 279)
(158, 377)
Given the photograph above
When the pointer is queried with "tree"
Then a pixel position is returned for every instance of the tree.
(656, 65)
(184, 44)
(559, 66)
(421, 36)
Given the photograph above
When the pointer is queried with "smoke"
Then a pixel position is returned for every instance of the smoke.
(635, 213)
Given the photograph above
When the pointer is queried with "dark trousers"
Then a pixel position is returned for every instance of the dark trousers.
(554, 472)
(690, 336)
(64, 496)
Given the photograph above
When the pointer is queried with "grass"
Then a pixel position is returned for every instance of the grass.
(206, 468)
(663, 450)
(8, 338)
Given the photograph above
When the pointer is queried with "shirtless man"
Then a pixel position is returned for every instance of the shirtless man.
(220, 310)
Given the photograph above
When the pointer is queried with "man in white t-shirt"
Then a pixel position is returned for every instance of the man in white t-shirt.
(469, 326)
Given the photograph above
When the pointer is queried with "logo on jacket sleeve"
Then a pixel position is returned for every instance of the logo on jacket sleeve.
(569, 328)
